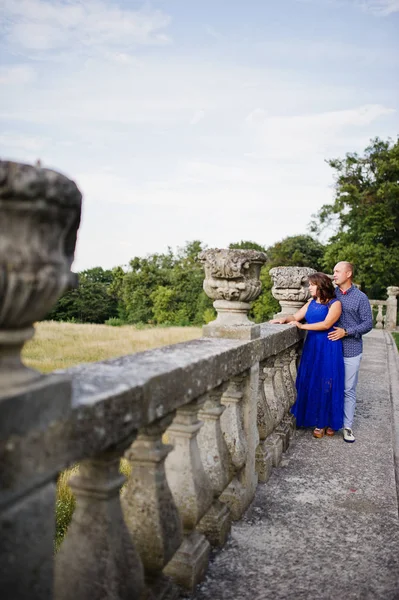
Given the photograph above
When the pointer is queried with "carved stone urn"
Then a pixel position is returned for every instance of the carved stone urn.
(232, 281)
(290, 288)
(39, 218)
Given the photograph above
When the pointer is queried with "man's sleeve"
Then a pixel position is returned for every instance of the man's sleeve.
(366, 319)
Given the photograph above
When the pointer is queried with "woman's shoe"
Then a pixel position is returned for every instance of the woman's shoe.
(318, 433)
(330, 431)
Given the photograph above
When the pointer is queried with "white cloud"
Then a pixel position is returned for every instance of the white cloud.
(22, 142)
(319, 50)
(16, 75)
(300, 136)
(382, 8)
(40, 26)
(183, 91)
(197, 117)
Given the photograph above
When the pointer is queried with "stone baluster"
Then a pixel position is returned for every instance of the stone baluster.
(215, 524)
(266, 424)
(39, 218)
(148, 506)
(192, 493)
(294, 355)
(380, 319)
(272, 397)
(232, 424)
(285, 398)
(289, 359)
(241, 489)
(392, 308)
(290, 288)
(232, 281)
(97, 559)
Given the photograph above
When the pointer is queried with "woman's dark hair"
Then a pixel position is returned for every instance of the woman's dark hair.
(325, 287)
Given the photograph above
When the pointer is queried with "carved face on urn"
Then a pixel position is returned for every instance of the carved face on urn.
(232, 275)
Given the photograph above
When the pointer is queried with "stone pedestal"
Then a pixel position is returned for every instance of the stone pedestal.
(235, 496)
(216, 524)
(274, 443)
(291, 422)
(264, 461)
(189, 564)
(284, 431)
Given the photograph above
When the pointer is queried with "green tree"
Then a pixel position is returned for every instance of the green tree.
(364, 216)
(90, 302)
(115, 290)
(144, 276)
(187, 281)
(165, 305)
(247, 245)
(297, 251)
(165, 288)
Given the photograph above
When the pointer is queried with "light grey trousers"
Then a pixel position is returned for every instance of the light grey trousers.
(352, 366)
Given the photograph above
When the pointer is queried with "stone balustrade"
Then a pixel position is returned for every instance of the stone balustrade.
(222, 403)
(385, 311)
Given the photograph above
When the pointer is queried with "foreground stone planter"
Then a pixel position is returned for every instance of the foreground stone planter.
(39, 218)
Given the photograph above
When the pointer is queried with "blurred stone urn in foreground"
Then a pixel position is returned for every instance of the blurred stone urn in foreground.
(39, 218)
(232, 281)
(290, 288)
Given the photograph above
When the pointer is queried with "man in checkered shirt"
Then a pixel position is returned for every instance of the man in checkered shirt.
(356, 320)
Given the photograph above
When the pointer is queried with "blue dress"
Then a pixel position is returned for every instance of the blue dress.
(320, 380)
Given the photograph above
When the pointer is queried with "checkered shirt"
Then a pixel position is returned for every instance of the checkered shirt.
(356, 318)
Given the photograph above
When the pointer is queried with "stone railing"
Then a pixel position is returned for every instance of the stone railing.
(223, 402)
(385, 311)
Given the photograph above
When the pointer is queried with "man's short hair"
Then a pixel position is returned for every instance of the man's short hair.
(349, 267)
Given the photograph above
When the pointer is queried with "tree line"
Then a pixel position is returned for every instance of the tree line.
(166, 289)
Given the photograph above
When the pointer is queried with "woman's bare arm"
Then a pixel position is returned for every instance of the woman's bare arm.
(334, 313)
(298, 316)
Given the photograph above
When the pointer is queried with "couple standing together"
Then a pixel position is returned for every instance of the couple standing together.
(328, 372)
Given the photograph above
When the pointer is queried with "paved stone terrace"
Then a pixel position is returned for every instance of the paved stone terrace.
(325, 525)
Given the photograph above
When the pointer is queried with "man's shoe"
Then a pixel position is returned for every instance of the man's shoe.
(348, 435)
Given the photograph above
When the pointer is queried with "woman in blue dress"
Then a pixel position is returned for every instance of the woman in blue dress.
(320, 380)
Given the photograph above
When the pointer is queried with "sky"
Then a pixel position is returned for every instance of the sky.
(185, 120)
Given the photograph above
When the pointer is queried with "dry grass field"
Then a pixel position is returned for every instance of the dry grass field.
(63, 345)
